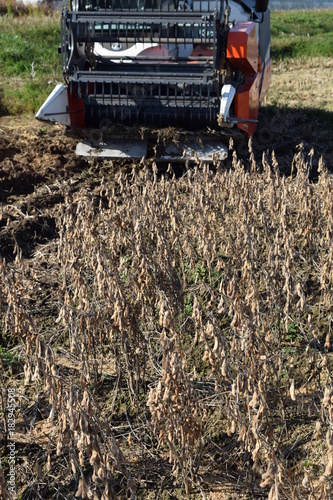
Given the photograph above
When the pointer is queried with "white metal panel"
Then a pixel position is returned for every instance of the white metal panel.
(227, 96)
(207, 151)
(117, 148)
(55, 108)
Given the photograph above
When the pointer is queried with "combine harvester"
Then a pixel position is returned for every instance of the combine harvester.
(190, 64)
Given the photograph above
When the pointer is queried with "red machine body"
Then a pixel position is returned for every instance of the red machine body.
(244, 54)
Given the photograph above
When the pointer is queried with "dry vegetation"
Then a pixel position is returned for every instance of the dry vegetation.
(302, 84)
(19, 8)
(169, 337)
(178, 340)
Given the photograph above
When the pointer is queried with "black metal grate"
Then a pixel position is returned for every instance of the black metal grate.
(146, 5)
(161, 90)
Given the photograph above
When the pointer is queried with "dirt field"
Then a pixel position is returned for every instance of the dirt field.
(38, 161)
(39, 170)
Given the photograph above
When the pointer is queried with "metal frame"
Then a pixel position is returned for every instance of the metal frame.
(145, 89)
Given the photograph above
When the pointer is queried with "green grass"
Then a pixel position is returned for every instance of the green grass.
(302, 34)
(30, 65)
(7, 357)
(29, 62)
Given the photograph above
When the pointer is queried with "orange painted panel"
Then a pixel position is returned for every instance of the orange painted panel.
(242, 47)
(247, 104)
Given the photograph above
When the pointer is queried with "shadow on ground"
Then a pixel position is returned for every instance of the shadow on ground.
(288, 130)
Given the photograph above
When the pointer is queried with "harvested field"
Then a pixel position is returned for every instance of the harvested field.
(170, 336)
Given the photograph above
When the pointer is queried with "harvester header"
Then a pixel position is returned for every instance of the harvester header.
(161, 63)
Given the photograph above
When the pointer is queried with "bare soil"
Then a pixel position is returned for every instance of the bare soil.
(37, 161)
(38, 165)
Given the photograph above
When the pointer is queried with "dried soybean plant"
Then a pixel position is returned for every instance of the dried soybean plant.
(77, 434)
(177, 416)
(19, 324)
(197, 314)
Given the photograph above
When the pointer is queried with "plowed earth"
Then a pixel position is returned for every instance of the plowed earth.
(39, 169)
(38, 166)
